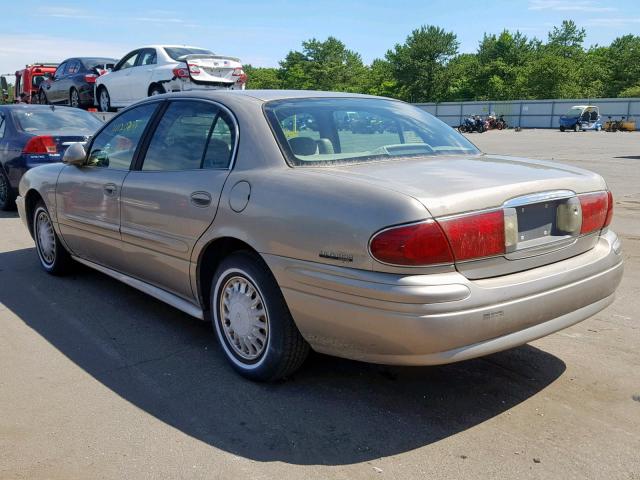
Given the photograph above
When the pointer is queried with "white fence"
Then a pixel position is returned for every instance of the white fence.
(532, 113)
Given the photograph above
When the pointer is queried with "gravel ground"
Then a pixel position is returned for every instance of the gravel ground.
(100, 381)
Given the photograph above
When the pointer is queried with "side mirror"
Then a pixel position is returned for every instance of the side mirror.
(75, 155)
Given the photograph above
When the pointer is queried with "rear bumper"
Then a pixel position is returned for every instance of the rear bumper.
(190, 86)
(443, 318)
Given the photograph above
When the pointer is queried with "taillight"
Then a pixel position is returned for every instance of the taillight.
(90, 78)
(239, 72)
(411, 245)
(44, 144)
(475, 236)
(597, 210)
(181, 72)
(194, 69)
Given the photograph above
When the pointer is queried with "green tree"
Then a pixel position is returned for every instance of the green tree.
(326, 65)
(462, 72)
(624, 58)
(567, 39)
(379, 79)
(419, 64)
(262, 77)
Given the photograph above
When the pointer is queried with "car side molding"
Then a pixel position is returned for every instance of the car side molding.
(162, 295)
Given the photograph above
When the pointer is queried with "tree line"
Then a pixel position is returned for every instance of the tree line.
(428, 67)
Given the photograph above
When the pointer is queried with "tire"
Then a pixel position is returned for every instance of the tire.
(74, 98)
(262, 342)
(42, 98)
(562, 129)
(7, 195)
(104, 100)
(156, 90)
(53, 257)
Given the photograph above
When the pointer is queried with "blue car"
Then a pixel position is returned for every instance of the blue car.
(32, 135)
(581, 117)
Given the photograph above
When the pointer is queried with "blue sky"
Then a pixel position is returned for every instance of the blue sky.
(262, 32)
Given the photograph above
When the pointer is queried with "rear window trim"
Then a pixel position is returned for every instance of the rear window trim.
(293, 162)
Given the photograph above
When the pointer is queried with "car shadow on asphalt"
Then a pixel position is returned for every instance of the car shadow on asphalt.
(332, 412)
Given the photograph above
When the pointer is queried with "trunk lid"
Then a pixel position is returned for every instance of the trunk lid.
(214, 69)
(537, 193)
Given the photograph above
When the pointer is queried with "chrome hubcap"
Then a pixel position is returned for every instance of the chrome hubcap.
(46, 238)
(243, 318)
(74, 99)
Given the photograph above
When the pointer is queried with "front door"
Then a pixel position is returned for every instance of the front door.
(88, 197)
(171, 196)
(118, 82)
(140, 76)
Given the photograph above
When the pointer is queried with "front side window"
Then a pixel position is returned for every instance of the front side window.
(317, 131)
(60, 70)
(115, 146)
(191, 135)
(127, 62)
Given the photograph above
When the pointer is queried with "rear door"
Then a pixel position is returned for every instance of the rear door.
(171, 196)
(88, 198)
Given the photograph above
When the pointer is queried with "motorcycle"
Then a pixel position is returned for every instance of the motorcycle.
(472, 124)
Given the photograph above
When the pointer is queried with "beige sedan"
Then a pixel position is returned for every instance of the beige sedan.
(357, 226)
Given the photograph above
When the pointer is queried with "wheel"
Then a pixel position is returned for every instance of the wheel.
(104, 100)
(54, 258)
(74, 98)
(562, 129)
(462, 129)
(156, 90)
(7, 195)
(252, 322)
(500, 126)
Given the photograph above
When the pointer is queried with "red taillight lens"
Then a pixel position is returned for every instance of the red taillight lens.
(475, 236)
(91, 78)
(239, 72)
(194, 69)
(595, 211)
(609, 217)
(181, 72)
(412, 245)
(43, 144)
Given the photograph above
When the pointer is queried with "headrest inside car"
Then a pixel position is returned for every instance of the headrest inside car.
(303, 146)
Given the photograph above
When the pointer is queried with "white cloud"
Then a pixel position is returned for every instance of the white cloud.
(611, 22)
(20, 49)
(570, 6)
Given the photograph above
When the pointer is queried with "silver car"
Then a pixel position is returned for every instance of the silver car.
(353, 225)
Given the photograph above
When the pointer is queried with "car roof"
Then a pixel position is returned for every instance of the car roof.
(270, 95)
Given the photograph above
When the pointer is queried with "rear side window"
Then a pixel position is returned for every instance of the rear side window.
(115, 146)
(191, 136)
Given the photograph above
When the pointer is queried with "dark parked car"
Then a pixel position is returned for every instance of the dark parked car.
(32, 135)
(73, 82)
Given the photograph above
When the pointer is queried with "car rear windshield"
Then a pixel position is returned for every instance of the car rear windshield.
(60, 119)
(177, 52)
(329, 131)
(99, 63)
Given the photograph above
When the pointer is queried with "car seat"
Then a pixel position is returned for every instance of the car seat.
(303, 146)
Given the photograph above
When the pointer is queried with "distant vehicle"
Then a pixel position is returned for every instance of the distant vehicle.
(32, 135)
(581, 117)
(472, 124)
(27, 83)
(157, 69)
(73, 82)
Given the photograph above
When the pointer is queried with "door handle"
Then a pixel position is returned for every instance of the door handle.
(110, 189)
(201, 199)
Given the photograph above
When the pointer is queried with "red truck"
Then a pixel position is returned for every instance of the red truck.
(28, 81)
